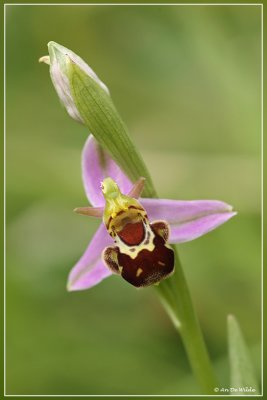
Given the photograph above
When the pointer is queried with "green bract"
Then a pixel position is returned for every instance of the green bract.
(103, 121)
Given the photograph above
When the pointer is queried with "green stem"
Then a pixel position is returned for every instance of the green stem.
(187, 324)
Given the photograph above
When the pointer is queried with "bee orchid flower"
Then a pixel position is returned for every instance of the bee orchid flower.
(133, 238)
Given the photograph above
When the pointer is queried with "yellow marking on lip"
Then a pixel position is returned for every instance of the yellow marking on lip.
(120, 269)
(139, 272)
(161, 263)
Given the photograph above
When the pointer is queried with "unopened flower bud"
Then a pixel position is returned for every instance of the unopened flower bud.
(87, 100)
(61, 60)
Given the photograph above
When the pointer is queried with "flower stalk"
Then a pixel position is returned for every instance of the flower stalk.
(179, 306)
(87, 100)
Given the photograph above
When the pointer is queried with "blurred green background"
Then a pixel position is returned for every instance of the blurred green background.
(186, 81)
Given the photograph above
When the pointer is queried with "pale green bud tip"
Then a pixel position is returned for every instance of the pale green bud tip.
(63, 55)
(44, 59)
(60, 60)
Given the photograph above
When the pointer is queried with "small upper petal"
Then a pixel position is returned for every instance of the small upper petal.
(90, 269)
(96, 166)
(188, 220)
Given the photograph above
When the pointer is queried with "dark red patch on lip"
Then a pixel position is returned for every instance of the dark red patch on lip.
(149, 267)
(132, 234)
